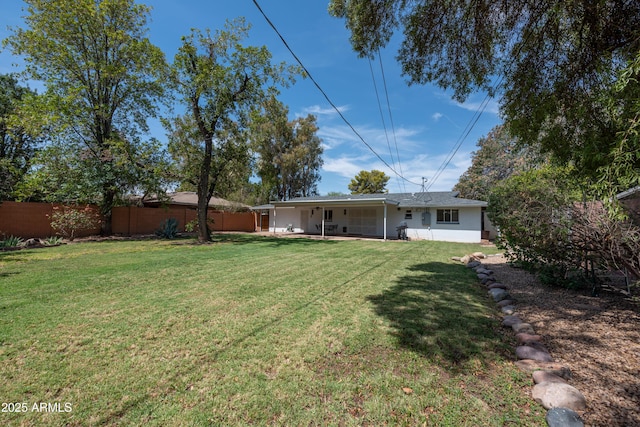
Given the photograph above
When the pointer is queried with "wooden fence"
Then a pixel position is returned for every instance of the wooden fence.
(27, 220)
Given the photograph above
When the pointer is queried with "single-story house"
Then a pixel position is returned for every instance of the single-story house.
(190, 198)
(424, 216)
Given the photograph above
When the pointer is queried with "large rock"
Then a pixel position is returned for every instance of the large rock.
(523, 327)
(508, 309)
(531, 366)
(537, 345)
(546, 377)
(510, 320)
(472, 264)
(498, 294)
(563, 417)
(524, 338)
(509, 301)
(497, 285)
(559, 395)
(526, 352)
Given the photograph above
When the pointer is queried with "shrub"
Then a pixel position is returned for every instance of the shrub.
(68, 220)
(10, 242)
(53, 241)
(168, 229)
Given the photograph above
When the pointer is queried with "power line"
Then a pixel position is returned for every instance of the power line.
(483, 106)
(393, 129)
(255, 2)
(384, 125)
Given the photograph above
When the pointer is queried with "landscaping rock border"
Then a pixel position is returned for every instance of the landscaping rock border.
(551, 388)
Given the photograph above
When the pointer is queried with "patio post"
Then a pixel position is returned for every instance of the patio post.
(275, 208)
(384, 232)
(323, 221)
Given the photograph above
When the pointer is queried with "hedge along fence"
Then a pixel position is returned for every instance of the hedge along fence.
(27, 220)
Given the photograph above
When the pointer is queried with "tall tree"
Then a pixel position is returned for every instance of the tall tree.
(17, 144)
(100, 71)
(557, 62)
(369, 182)
(230, 159)
(289, 152)
(220, 82)
(499, 156)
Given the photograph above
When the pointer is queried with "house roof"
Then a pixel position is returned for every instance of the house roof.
(190, 198)
(401, 200)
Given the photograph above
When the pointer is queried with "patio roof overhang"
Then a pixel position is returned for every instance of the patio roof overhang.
(371, 201)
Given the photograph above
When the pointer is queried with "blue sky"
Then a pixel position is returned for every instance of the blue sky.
(415, 129)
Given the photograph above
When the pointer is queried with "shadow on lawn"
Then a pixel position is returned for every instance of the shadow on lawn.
(436, 312)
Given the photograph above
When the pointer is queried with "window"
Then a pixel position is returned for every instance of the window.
(448, 216)
(408, 215)
(328, 215)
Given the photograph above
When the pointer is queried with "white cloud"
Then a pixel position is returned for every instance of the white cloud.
(317, 110)
(490, 105)
(436, 116)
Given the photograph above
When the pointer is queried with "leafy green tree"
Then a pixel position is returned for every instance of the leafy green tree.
(369, 182)
(220, 81)
(17, 145)
(499, 156)
(100, 72)
(557, 64)
(289, 152)
(532, 211)
(230, 159)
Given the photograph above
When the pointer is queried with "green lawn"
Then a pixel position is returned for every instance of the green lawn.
(254, 330)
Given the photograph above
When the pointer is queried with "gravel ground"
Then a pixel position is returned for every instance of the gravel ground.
(598, 338)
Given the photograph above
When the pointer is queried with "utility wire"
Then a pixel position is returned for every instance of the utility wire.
(483, 105)
(384, 125)
(255, 2)
(393, 129)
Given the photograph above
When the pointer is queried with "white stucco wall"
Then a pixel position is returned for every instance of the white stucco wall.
(468, 230)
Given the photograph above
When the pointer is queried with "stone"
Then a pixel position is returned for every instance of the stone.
(524, 338)
(504, 302)
(482, 276)
(559, 395)
(526, 352)
(563, 417)
(498, 294)
(537, 345)
(32, 243)
(508, 309)
(523, 327)
(472, 264)
(531, 366)
(488, 280)
(546, 377)
(498, 285)
(509, 321)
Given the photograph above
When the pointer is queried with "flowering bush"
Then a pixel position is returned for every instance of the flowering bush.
(68, 220)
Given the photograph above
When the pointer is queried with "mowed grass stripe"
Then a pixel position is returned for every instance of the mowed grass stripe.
(253, 330)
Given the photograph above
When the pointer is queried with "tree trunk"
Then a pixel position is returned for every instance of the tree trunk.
(204, 234)
(108, 200)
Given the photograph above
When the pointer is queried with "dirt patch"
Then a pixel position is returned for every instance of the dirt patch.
(598, 338)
